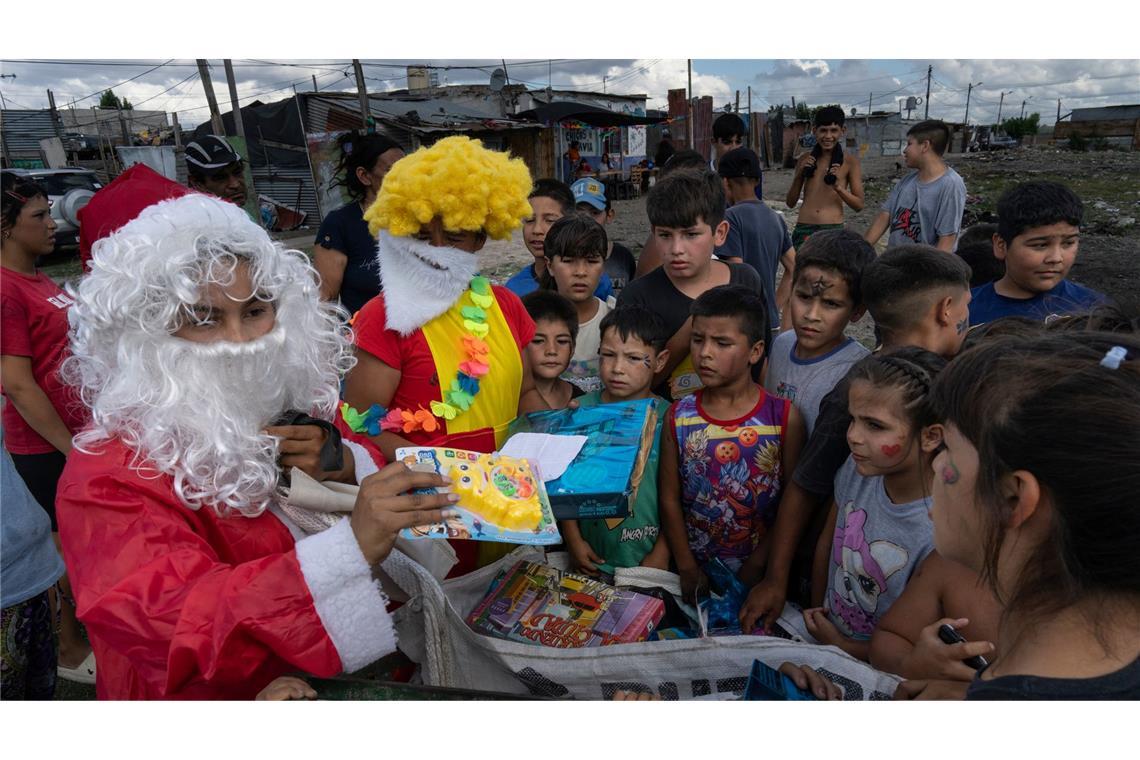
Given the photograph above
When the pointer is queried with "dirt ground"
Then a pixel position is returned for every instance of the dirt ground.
(1108, 182)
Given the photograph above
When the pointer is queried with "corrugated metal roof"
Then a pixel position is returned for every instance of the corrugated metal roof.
(23, 130)
(1106, 113)
(327, 113)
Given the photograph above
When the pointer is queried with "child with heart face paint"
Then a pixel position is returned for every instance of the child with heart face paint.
(879, 529)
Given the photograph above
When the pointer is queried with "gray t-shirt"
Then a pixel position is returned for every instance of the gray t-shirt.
(805, 382)
(876, 548)
(759, 236)
(922, 212)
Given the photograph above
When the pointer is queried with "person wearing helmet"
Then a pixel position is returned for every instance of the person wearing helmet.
(214, 167)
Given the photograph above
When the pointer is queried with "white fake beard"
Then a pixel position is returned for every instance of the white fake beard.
(415, 292)
(205, 432)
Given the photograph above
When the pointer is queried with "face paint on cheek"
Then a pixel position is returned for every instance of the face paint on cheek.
(891, 450)
(963, 325)
(950, 474)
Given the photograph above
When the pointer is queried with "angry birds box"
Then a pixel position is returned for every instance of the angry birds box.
(603, 479)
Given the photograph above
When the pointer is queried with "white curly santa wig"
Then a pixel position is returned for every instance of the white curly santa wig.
(190, 410)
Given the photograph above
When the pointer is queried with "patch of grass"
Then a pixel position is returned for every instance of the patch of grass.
(62, 267)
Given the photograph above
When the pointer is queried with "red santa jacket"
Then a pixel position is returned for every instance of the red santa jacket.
(184, 604)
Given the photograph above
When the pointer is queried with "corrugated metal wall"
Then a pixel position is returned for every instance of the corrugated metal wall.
(23, 131)
(293, 187)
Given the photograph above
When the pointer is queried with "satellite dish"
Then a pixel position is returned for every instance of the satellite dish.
(498, 80)
(911, 103)
(853, 112)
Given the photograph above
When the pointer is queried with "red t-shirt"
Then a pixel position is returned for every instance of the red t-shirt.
(33, 323)
(419, 382)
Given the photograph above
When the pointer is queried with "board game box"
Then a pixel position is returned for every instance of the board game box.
(500, 498)
(538, 604)
(602, 480)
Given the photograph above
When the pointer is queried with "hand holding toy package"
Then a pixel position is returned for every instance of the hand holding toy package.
(500, 498)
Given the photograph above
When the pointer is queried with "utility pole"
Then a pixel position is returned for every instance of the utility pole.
(177, 133)
(738, 101)
(1023, 106)
(314, 82)
(59, 132)
(689, 117)
(123, 127)
(966, 118)
(239, 128)
(207, 85)
(361, 92)
(1058, 108)
(1001, 101)
(749, 116)
(929, 74)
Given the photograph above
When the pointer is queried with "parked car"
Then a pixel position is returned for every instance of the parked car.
(986, 139)
(68, 190)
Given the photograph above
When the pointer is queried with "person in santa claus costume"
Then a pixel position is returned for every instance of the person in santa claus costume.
(440, 350)
(211, 367)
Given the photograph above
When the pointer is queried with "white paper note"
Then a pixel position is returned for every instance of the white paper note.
(551, 454)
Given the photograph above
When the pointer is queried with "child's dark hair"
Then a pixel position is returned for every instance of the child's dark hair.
(555, 190)
(1036, 204)
(16, 193)
(1056, 405)
(1106, 317)
(737, 301)
(683, 159)
(727, 126)
(933, 130)
(976, 248)
(898, 286)
(574, 236)
(684, 197)
(998, 328)
(843, 252)
(549, 305)
(912, 370)
(637, 322)
(359, 151)
(829, 115)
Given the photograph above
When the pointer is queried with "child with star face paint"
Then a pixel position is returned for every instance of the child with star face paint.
(878, 530)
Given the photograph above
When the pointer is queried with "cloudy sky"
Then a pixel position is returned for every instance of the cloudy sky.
(174, 85)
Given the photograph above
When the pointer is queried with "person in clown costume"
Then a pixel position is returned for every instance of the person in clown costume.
(192, 337)
(440, 359)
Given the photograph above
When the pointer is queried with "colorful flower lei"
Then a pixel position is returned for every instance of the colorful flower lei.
(459, 396)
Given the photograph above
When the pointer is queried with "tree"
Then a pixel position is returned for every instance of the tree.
(1020, 127)
(111, 100)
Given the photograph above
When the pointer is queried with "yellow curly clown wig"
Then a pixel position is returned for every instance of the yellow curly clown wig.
(470, 187)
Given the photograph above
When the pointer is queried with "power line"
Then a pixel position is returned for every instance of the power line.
(168, 89)
(120, 84)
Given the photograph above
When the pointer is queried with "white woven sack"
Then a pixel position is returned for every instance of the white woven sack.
(432, 632)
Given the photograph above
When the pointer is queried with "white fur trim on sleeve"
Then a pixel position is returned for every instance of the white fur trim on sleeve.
(365, 464)
(348, 599)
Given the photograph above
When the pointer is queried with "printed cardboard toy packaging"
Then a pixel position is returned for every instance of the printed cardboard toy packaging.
(602, 480)
(500, 498)
(538, 604)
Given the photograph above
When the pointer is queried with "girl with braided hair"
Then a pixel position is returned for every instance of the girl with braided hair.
(878, 530)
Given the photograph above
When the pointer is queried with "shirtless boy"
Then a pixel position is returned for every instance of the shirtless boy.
(827, 177)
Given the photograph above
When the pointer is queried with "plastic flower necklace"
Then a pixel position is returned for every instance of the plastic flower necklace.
(459, 396)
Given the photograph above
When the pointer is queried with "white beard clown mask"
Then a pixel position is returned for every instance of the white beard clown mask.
(421, 281)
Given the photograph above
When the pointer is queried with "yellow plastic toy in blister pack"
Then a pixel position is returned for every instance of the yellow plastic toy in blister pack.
(500, 490)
